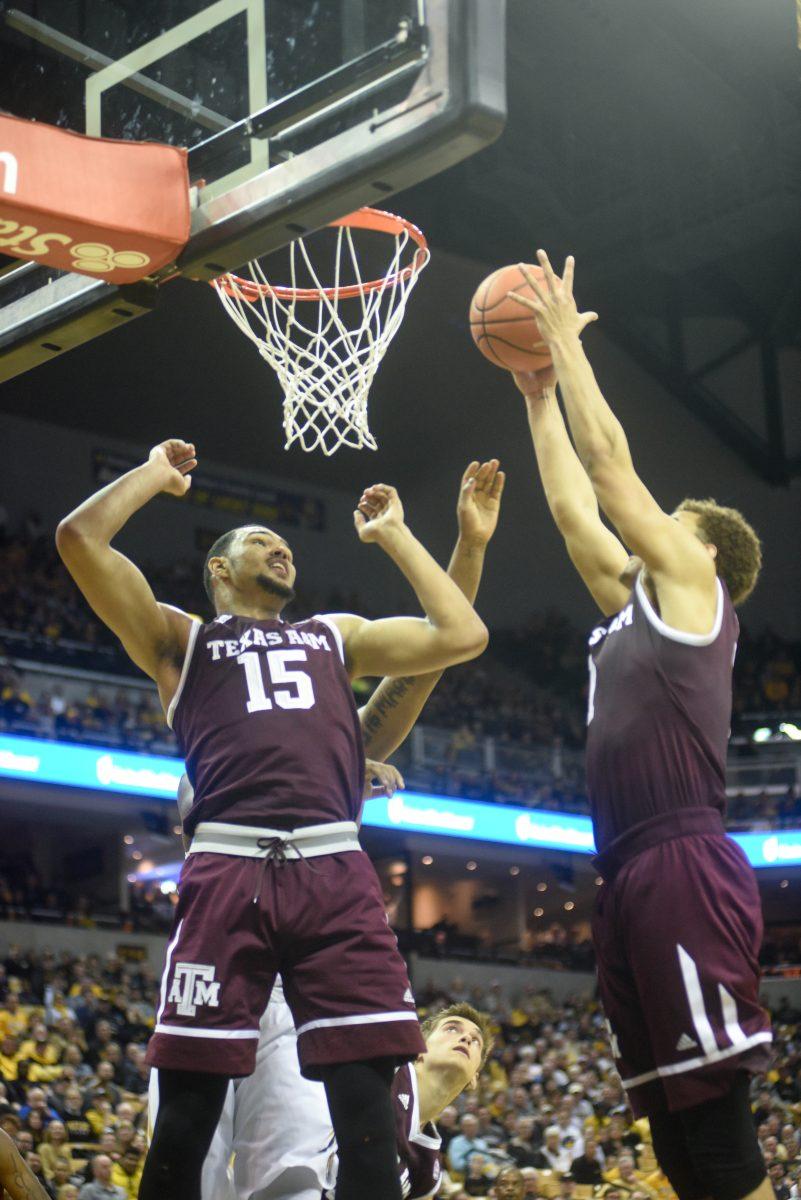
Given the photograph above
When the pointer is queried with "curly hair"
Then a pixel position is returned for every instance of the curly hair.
(739, 556)
(466, 1011)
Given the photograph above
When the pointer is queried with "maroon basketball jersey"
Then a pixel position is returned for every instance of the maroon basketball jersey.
(419, 1160)
(658, 715)
(265, 718)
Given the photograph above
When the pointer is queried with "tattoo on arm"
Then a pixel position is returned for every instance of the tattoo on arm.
(390, 697)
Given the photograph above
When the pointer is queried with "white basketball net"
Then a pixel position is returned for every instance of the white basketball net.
(325, 347)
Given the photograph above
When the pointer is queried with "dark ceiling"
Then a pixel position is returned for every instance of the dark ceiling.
(658, 140)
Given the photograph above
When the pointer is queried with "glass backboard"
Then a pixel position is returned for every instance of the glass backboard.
(294, 112)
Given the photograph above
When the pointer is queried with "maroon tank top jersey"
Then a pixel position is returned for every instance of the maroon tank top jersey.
(419, 1161)
(265, 718)
(658, 716)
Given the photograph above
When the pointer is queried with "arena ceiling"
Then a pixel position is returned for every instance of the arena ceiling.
(658, 140)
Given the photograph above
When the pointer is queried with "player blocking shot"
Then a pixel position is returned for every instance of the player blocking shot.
(275, 878)
(678, 924)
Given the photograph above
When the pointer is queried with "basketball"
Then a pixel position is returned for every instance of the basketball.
(504, 331)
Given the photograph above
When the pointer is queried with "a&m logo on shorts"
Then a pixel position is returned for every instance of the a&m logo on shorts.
(193, 986)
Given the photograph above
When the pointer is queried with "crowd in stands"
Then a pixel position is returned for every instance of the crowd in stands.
(526, 694)
(73, 1084)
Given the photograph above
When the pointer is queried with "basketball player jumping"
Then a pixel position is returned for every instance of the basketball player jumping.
(678, 923)
(275, 878)
(275, 1124)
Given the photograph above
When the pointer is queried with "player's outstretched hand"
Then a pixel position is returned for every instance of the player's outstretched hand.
(479, 501)
(535, 384)
(381, 779)
(553, 303)
(175, 459)
(379, 513)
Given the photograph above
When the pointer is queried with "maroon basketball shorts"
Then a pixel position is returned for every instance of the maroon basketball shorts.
(677, 932)
(320, 921)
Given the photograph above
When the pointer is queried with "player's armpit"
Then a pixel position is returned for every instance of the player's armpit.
(151, 633)
(667, 547)
(402, 645)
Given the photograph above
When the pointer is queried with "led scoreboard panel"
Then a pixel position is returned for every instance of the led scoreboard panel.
(157, 776)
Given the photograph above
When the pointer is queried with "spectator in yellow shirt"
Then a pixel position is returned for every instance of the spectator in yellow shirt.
(626, 1174)
(127, 1172)
(39, 1047)
(14, 1017)
(9, 1058)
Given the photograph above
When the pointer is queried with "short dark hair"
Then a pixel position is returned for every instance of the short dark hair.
(739, 557)
(467, 1013)
(220, 547)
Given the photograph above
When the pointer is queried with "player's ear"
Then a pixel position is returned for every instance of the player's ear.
(713, 550)
(218, 567)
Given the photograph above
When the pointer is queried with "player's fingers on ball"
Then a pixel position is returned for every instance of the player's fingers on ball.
(533, 282)
(526, 302)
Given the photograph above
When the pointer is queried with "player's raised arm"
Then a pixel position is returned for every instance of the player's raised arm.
(395, 705)
(153, 634)
(598, 556)
(451, 630)
(668, 548)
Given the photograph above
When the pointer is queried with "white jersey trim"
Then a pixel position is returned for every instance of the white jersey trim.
(416, 1134)
(228, 1034)
(190, 646)
(363, 1019)
(702, 1060)
(677, 635)
(335, 632)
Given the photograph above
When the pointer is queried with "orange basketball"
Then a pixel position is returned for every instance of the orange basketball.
(505, 332)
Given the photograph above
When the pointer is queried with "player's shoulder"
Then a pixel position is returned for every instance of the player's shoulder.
(341, 625)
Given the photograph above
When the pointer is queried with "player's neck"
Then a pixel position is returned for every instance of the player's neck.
(435, 1091)
(262, 607)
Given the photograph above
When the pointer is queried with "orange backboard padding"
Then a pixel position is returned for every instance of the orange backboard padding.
(110, 209)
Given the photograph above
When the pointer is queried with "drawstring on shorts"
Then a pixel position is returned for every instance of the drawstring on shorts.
(276, 848)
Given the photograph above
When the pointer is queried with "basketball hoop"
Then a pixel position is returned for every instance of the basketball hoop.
(326, 364)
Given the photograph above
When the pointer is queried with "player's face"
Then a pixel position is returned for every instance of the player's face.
(456, 1043)
(266, 558)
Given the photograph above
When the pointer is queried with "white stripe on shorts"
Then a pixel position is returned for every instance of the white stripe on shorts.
(364, 1019)
(183, 1031)
(695, 999)
(730, 1023)
(165, 973)
(692, 1064)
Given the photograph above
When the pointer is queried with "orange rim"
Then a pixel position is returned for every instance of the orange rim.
(364, 218)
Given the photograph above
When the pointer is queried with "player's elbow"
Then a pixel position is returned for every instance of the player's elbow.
(74, 544)
(69, 538)
(472, 639)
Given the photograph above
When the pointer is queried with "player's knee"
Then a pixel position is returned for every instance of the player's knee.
(360, 1104)
(189, 1109)
(673, 1155)
(722, 1143)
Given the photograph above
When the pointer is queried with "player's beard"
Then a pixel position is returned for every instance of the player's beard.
(274, 586)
